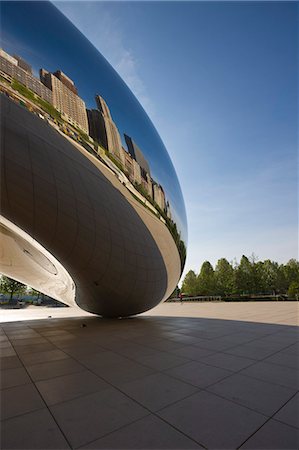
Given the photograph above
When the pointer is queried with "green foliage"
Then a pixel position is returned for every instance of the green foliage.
(291, 271)
(293, 291)
(115, 161)
(206, 279)
(47, 107)
(249, 277)
(224, 277)
(11, 287)
(189, 286)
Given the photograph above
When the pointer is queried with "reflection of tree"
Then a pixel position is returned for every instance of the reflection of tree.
(47, 107)
(11, 287)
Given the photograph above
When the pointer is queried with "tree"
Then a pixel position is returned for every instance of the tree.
(224, 277)
(291, 270)
(269, 276)
(11, 287)
(189, 285)
(293, 291)
(206, 280)
(244, 277)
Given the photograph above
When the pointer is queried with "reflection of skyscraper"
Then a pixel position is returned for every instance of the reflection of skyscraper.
(13, 68)
(97, 129)
(137, 154)
(159, 196)
(23, 64)
(112, 134)
(69, 104)
(66, 81)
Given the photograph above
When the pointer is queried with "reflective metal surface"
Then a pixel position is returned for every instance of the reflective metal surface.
(85, 176)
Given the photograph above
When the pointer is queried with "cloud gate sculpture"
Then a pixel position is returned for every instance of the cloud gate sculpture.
(91, 209)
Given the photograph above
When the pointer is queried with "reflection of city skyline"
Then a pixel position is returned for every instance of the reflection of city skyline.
(43, 44)
(59, 90)
(86, 75)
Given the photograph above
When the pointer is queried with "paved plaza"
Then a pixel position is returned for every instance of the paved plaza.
(182, 376)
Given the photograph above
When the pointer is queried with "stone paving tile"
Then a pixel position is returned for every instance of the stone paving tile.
(273, 373)
(46, 370)
(161, 360)
(226, 361)
(213, 422)
(274, 436)
(33, 431)
(13, 377)
(284, 358)
(117, 374)
(10, 362)
(192, 352)
(130, 352)
(289, 414)
(293, 349)
(60, 389)
(63, 338)
(20, 400)
(216, 345)
(22, 349)
(56, 332)
(261, 396)
(79, 350)
(253, 350)
(184, 339)
(157, 391)
(88, 418)
(165, 345)
(150, 433)
(28, 341)
(102, 359)
(197, 374)
(7, 352)
(5, 344)
(35, 358)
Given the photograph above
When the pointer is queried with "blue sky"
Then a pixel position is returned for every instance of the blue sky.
(219, 81)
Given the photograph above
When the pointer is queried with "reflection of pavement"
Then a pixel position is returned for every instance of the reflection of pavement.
(40, 312)
(182, 377)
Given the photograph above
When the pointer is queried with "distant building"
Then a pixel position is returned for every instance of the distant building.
(8, 57)
(168, 211)
(147, 183)
(96, 125)
(136, 172)
(23, 64)
(69, 104)
(66, 81)
(137, 154)
(9, 65)
(129, 167)
(159, 196)
(112, 134)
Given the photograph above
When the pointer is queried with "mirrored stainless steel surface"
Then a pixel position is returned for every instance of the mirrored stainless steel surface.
(85, 175)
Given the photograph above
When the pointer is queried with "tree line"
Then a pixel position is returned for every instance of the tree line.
(248, 277)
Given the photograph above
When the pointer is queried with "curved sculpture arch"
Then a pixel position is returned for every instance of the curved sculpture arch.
(92, 212)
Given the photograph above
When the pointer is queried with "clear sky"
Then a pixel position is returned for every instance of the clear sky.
(220, 82)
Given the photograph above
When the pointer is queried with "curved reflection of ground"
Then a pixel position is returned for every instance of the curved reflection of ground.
(122, 258)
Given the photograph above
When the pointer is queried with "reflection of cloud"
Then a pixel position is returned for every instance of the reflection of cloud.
(104, 32)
